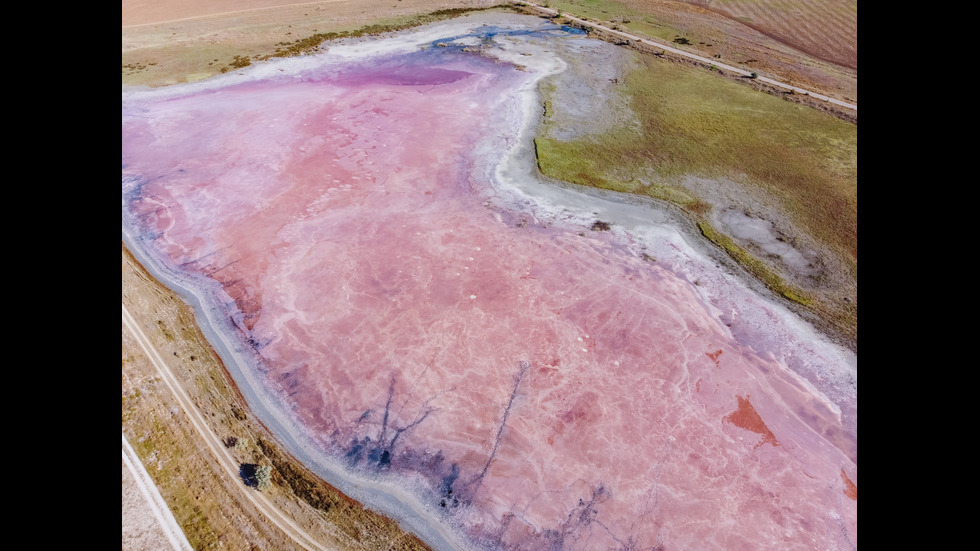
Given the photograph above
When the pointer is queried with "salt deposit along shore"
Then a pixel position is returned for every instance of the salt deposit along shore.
(445, 338)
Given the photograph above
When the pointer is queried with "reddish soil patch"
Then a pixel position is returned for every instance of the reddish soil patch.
(850, 489)
(747, 418)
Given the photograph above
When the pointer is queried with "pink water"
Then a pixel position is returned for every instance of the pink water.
(553, 390)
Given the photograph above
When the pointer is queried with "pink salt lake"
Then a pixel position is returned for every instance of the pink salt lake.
(537, 385)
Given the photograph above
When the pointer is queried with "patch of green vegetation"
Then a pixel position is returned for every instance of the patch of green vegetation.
(163, 329)
(755, 266)
(688, 122)
(685, 122)
(138, 67)
(582, 162)
(239, 62)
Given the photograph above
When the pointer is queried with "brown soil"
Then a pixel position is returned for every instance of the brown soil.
(746, 417)
(178, 44)
(850, 489)
(824, 29)
(144, 12)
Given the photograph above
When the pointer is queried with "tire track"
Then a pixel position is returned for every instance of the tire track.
(153, 501)
(228, 463)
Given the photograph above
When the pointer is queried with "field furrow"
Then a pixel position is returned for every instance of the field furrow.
(817, 27)
(836, 20)
(815, 33)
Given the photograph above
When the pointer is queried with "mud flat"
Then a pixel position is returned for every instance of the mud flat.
(494, 361)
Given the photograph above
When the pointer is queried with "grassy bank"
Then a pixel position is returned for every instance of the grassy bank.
(685, 122)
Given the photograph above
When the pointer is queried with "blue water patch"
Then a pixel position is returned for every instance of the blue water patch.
(420, 68)
(487, 33)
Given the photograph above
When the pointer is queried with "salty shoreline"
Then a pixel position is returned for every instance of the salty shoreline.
(372, 493)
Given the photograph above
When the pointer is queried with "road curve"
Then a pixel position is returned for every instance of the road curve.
(709, 61)
(290, 528)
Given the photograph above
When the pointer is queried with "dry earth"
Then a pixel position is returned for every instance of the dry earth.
(147, 522)
(825, 29)
(176, 47)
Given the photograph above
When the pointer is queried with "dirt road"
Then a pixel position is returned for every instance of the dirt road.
(213, 443)
(709, 61)
(191, 429)
(147, 521)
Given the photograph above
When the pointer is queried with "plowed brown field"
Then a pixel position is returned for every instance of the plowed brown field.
(825, 29)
